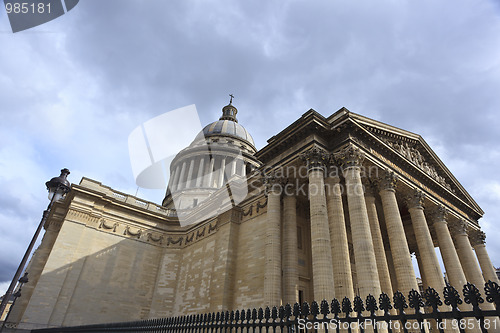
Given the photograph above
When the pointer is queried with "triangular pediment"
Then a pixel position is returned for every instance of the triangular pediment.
(413, 148)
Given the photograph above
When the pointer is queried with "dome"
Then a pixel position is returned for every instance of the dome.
(227, 125)
(226, 128)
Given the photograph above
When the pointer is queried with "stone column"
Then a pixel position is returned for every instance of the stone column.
(430, 264)
(466, 255)
(233, 167)
(180, 182)
(342, 275)
(401, 257)
(210, 172)
(272, 271)
(478, 240)
(222, 171)
(469, 262)
(190, 174)
(290, 250)
(351, 159)
(175, 180)
(243, 168)
(378, 243)
(451, 262)
(200, 176)
(320, 233)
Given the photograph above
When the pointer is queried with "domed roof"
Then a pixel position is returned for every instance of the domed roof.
(226, 128)
(227, 125)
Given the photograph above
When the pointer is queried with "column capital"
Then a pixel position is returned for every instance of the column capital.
(369, 188)
(440, 214)
(388, 181)
(315, 158)
(349, 156)
(458, 227)
(273, 183)
(415, 200)
(477, 237)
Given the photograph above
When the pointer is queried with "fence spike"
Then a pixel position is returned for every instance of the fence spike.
(267, 313)
(415, 300)
(335, 307)
(346, 306)
(400, 302)
(288, 311)
(260, 314)
(274, 313)
(385, 303)
(314, 309)
(432, 299)
(281, 313)
(358, 305)
(492, 292)
(472, 295)
(305, 309)
(296, 310)
(325, 308)
(451, 297)
(371, 304)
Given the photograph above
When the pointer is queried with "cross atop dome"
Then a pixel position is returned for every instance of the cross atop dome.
(229, 111)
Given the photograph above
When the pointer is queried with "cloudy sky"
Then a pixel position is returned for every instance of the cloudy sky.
(72, 90)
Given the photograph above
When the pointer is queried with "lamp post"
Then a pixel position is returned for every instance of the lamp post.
(57, 187)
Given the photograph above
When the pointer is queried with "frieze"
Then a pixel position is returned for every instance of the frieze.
(170, 240)
(258, 207)
(109, 226)
(210, 228)
(130, 232)
(189, 239)
(413, 155)
(157, 238)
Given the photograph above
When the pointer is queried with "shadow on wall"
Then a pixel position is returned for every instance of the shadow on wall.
(82, 286)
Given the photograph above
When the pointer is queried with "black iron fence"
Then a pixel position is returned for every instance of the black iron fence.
(335, 316)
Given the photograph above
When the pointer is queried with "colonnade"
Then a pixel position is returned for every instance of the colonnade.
(205, 171)
(375, 261)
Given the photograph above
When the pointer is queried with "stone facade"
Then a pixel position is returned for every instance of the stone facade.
(333, 207)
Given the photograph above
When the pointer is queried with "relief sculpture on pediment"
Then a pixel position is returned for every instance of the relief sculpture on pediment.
(416, 158)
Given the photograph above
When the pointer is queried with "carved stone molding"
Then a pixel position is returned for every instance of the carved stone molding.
(170, 241)
(415, 200)
(109, 226)
(258, 207)
(128, 231)
(388, 181)
(477, 237)
(155, 238)
(315, 158)
(349, 156)
(458, 227)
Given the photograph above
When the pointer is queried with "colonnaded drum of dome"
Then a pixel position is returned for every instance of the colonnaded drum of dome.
(220, 156)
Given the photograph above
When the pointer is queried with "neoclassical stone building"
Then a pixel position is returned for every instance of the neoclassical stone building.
(330, 207)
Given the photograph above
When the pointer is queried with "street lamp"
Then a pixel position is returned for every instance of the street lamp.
(58, 187)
